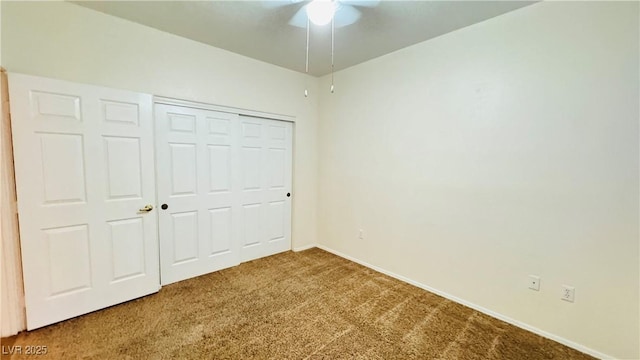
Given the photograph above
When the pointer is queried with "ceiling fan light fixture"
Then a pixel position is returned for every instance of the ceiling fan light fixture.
(320, 12)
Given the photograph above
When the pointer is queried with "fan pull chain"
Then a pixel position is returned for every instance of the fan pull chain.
(306, 67)
(333, 30)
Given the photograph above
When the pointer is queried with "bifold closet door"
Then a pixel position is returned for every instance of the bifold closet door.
(224, 184)
(86, 189)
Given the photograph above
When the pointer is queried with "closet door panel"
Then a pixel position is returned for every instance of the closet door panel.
(196, 161)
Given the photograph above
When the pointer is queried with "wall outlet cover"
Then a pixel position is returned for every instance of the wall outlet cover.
(534, 282)
(568, 293)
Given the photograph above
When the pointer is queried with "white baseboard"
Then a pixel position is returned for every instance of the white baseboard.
(305, 247)
(481, 309)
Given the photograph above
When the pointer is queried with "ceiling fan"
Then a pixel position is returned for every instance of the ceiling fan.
(321, 12)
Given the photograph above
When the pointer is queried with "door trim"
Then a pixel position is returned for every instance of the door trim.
(227, 109)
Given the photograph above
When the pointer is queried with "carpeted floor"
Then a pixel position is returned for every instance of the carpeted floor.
(307, 305)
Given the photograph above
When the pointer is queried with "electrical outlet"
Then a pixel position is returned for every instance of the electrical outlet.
(534, 282)
(361, 234)
(568, 293)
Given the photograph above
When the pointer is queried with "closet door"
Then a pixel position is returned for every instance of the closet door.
(224, 189)
(265, 186)
(197, 164)
(86, 189)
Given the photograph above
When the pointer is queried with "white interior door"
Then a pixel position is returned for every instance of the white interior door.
(197, 168)
(84, 167)
(265, 186)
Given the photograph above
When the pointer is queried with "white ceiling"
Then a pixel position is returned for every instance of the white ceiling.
(262, 32)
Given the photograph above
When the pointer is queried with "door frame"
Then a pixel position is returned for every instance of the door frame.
(221, 108)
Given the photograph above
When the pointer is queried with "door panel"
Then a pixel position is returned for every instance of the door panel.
(252, 225)
(123, 168)
(72, 242)
(84, 166)
(279, 148)
(196, 169)
(183, 169)
(185, 233)
(221, 229)
(266, 178)
(63, 168)
(126, 240)
(276, 220)
(219, 168)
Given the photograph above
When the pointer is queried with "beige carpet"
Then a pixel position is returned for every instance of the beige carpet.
(307, 305)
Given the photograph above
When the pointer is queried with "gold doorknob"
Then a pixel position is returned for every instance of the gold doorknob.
(146, 208)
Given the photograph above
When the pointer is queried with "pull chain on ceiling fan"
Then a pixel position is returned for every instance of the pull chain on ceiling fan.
(333, 30)
(322, 12)
(319, 20)
(306, 67)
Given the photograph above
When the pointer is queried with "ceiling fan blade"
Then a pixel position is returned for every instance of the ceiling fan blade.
(363, 3)
(346, 15)
(300, 18)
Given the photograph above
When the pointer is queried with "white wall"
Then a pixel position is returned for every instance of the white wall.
(504, 149)
(66, 41)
